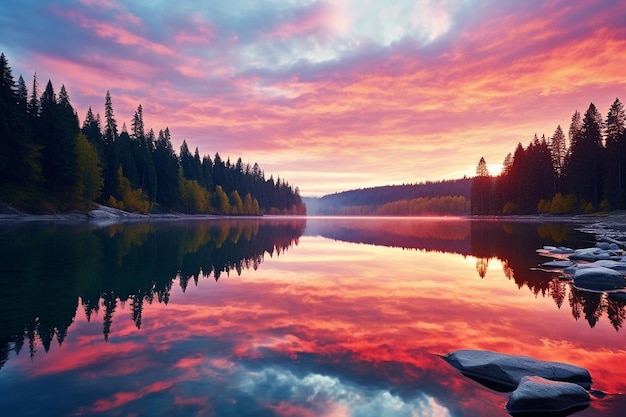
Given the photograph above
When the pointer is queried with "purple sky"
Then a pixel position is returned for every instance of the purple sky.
(331, 95)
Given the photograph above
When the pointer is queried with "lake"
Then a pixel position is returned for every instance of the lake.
(288, 316)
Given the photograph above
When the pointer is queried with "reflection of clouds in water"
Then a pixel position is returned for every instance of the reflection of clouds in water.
(327, 396)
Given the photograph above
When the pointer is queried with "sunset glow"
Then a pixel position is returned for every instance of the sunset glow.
(331, 95)
(333, 316)
(387, 325)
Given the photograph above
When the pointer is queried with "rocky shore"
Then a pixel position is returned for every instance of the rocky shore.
(99, 214)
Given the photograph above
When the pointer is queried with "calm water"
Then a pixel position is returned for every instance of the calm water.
(287, 317)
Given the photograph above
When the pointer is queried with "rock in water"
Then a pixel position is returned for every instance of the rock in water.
(557, 264)
(508, 370)
(599, 279)
(535, 394)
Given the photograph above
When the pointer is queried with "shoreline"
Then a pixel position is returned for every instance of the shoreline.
(613, 220)
(103, 214)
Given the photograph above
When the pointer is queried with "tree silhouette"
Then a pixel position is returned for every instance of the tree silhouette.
(615, 154)
(481, 193)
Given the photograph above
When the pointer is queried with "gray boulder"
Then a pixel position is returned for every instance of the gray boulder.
(595, 254)
(535, 394)
(508, 370)
(607, 246)
(599, 278)
(555, 252)
(557, 264)
(615, 265)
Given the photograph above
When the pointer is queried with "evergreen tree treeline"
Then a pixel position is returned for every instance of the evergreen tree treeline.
(49, 162)
(548, 176)
(445, 197)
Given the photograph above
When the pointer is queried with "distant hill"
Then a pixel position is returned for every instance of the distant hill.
(371, 201)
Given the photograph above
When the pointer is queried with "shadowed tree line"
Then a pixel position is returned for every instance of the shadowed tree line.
(49, 162)
(447, 197)
(50, 271)
(581, 173)
(510, 243)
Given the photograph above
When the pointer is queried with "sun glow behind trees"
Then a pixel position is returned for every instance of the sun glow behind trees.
(549, 177)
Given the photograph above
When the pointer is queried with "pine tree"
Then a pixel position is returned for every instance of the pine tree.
(125, 149)
(57, 132)
(19, 166)
(111, 158)
(519, 180)
(558, 150)
(583, 168)
(575, 129)
(481, 189)
(187, 162)
(207, 173)
(110, 128)
(167, 172)
(8, 122)
(137, 127)
(34, 106)
(22, 94)
(615, 155)
(93, 130)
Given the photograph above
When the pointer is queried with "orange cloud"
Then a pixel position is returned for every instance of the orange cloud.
(416, 101)
(122, 398)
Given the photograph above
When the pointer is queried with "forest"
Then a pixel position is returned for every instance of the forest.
(150, 258)
(49, 162)
(446, 197)
(583, 172)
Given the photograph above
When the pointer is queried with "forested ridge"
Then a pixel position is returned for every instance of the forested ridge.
(583, 172)
(446, 197)
(49, 162)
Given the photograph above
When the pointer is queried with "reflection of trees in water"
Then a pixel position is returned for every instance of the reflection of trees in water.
(513, 243)
(430, 234)
(481, 266)
(46, 270)
(510, 242)
(592, 306)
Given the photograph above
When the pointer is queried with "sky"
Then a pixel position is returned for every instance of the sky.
(331, 95)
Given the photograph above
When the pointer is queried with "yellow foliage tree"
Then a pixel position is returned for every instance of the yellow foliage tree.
(236, 203)
(132, 199)
(221, 201)
(90, 179)
(194, 197)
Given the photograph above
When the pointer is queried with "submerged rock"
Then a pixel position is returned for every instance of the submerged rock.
(595, 254)
(508, 370)
(615, 265)
(620, 266)
(611, 240)
(598, 278)
(555, 252)
(557, 264)
(607, 246)
(535, 394)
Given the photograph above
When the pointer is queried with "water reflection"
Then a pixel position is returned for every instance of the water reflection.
(332, 328)
(46, 271)
(509, 243)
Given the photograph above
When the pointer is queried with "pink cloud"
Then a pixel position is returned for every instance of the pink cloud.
(115, 32)
(197, 31)
(490, 81)
(121, 398)
(315, 19)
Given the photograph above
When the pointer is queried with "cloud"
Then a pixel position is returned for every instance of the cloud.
(385, 84)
